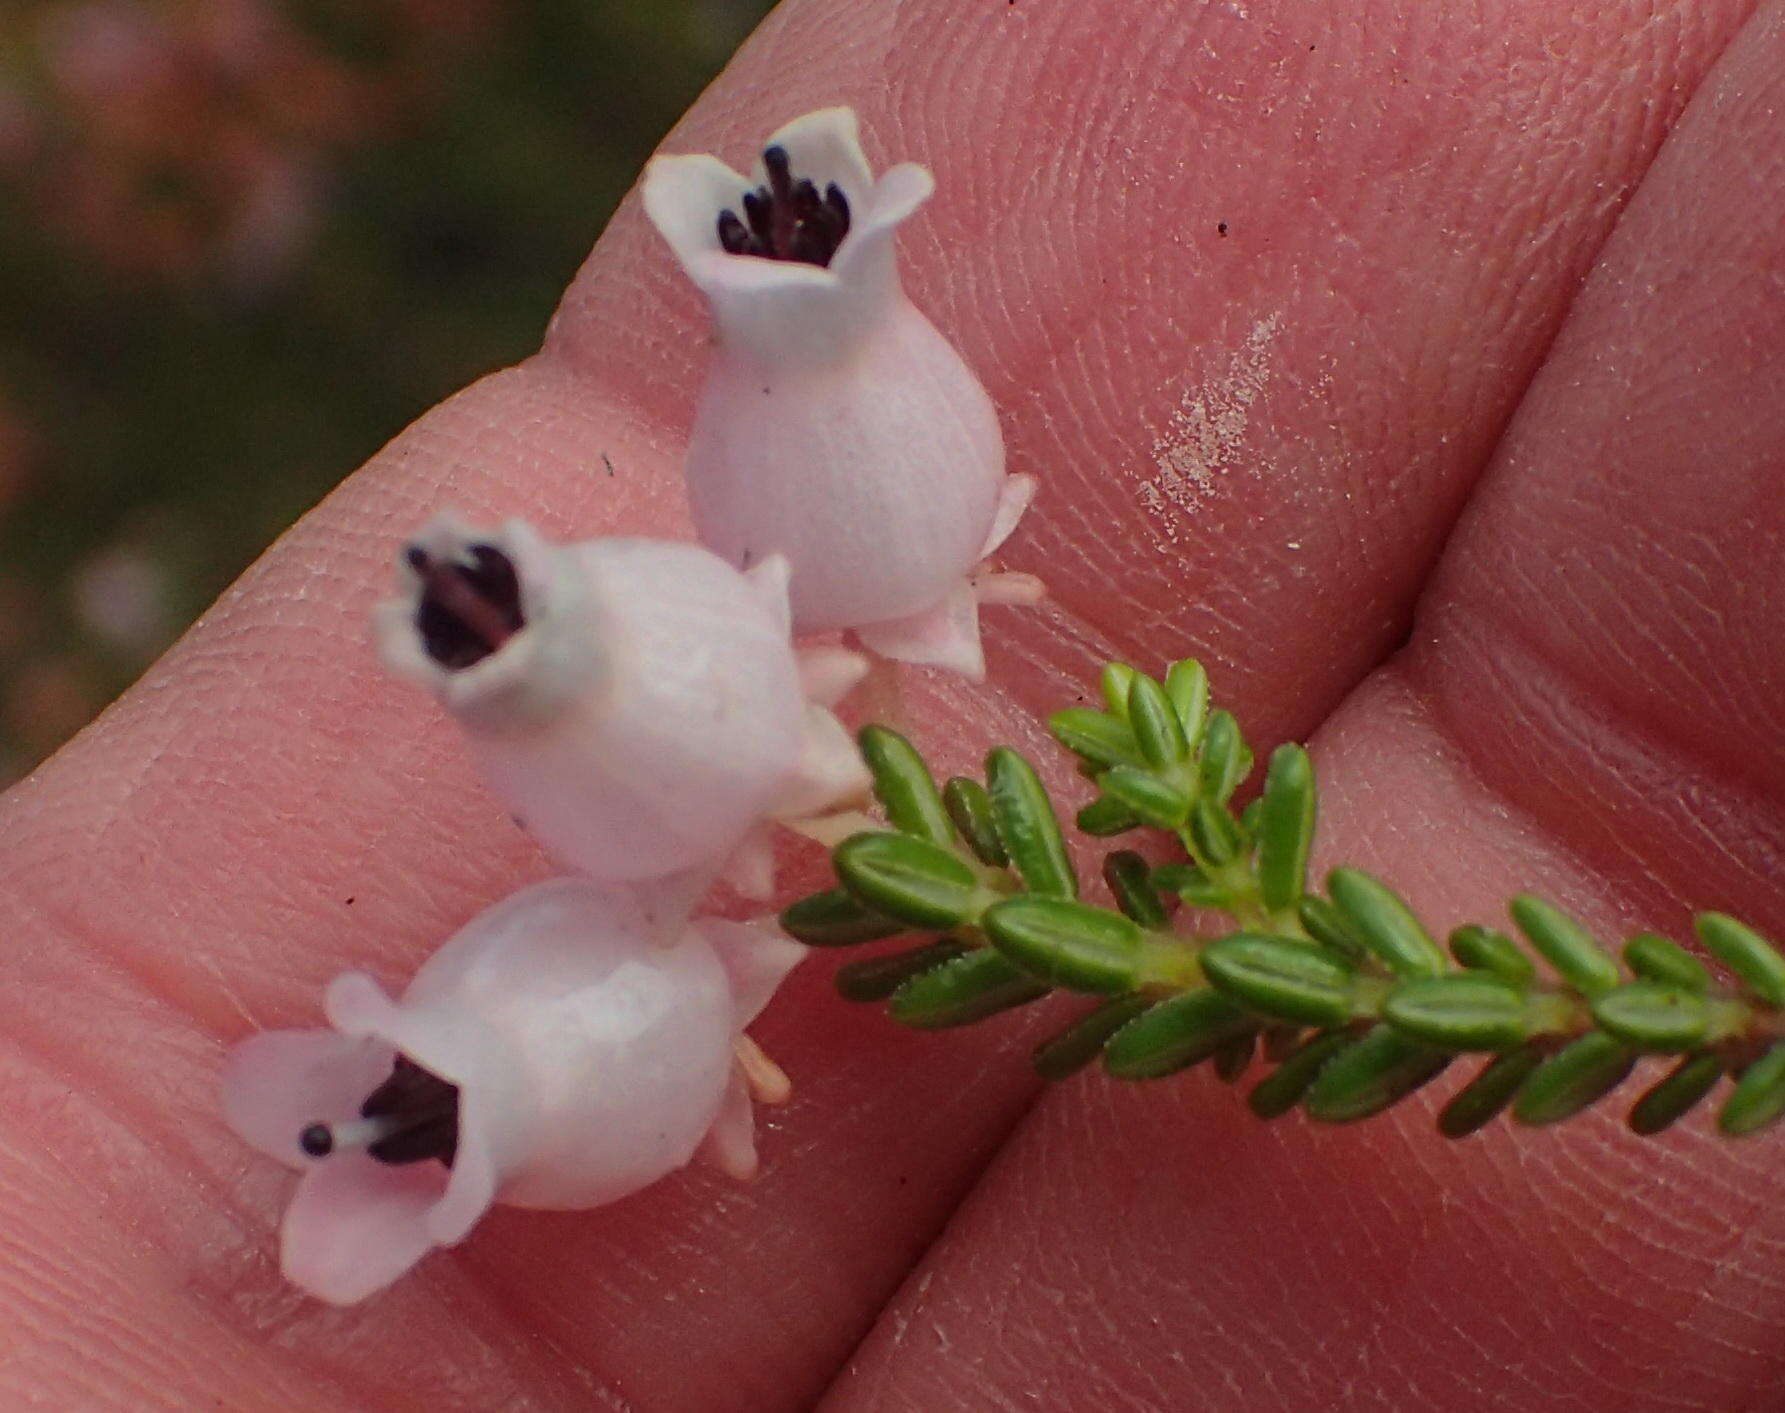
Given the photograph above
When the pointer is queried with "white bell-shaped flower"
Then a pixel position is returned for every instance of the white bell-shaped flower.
(552, 1054)
(638, 704)
(837, 426)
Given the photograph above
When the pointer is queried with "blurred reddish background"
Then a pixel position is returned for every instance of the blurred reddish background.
(242, 242)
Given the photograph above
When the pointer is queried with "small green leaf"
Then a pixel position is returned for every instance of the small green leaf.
(970, 808)
(1759, 1096)
(1191, 884)
(1370, 1075)
(1173, 1035)
(1151, 800)
(1651, 1016)
(1068, 944)
(1385, 924)
(1188, 687)
(836, 919)
(1224, 761)
(1118, 677)
(1573, 1079)
(971, 987)
(1659, 958)
(1027, 825)
(1281, 1090)
(1130, 880)
(903, 785)
(1464, 1011)
(876, 978)
(1285, 826)
(1566, 946)
(902, 876)
(1746, 953)
(1479, 1101)
(1157, 730)
(1095, 735)
(1234, 1056)
(1280, 977)
(1104, 817)
(1075, 1047)
(1677, 1095)
(1216, 832)
(1483, 949)
(1327, 926)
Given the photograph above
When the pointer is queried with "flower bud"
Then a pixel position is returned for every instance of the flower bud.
(837, 426)
(552, 1054)
(636, 703)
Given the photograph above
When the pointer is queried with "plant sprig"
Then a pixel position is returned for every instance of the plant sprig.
(1346, 994)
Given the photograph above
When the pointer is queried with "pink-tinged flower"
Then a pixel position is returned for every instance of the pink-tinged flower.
(638, 704)
(837, 426)
(552, 1054)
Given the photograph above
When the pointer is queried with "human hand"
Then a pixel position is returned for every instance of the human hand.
(1254, 448)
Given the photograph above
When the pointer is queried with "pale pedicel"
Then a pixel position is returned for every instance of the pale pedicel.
(552, 1054)
(836, 425)
(638, 704)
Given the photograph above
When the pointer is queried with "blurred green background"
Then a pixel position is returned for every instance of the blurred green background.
(242, 243)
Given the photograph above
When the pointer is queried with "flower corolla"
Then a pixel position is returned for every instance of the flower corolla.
(837, 426)
(638, 704)
(552, 1054)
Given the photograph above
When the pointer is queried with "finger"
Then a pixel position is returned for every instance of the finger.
(185, 871)
(1588, 711)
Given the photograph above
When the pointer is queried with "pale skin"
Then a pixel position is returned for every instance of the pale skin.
(1478, 357)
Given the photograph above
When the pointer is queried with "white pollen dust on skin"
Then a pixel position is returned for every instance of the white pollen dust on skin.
(1205, 434)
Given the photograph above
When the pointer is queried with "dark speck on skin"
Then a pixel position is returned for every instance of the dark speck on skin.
(765, 392)
(1221, 229)
(607, 461)
(519, 823)
(350, 902)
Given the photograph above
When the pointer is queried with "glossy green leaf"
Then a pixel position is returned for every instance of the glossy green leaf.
(1484, 949)
(1652, 1016)
(1385, 924)
(1074, 1048)
(1188, 687)
(1191, 884)
(1216, 832)
(970, 809)
(1686, 1084)
(1130, 880)
(1371, 1074)
(1280, 977)
(1095, 735)
(903, 785)
(1483, 1098)
(1224, 760)
(1173, 1035)
(876, 978)
(1462, 1011)
(836, 918)
(1027, 825)
(1233, 1057)
(1659, 958)
(971, 987)
(1068, 944)
(1285, 827)
(1759, 1096)
(1104, 817)
(906, 878)
(1566, 946)
(1157, 730)
(1117, 678)
(1746, 953)
(1327, 926)
(1150, 799)
(1573, 1079)
(1281, 1090)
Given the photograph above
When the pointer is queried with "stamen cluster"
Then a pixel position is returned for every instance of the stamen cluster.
(787, 219)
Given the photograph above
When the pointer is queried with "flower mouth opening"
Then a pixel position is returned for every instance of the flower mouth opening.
(411, 1117)
(469, 607)
(787, 219)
